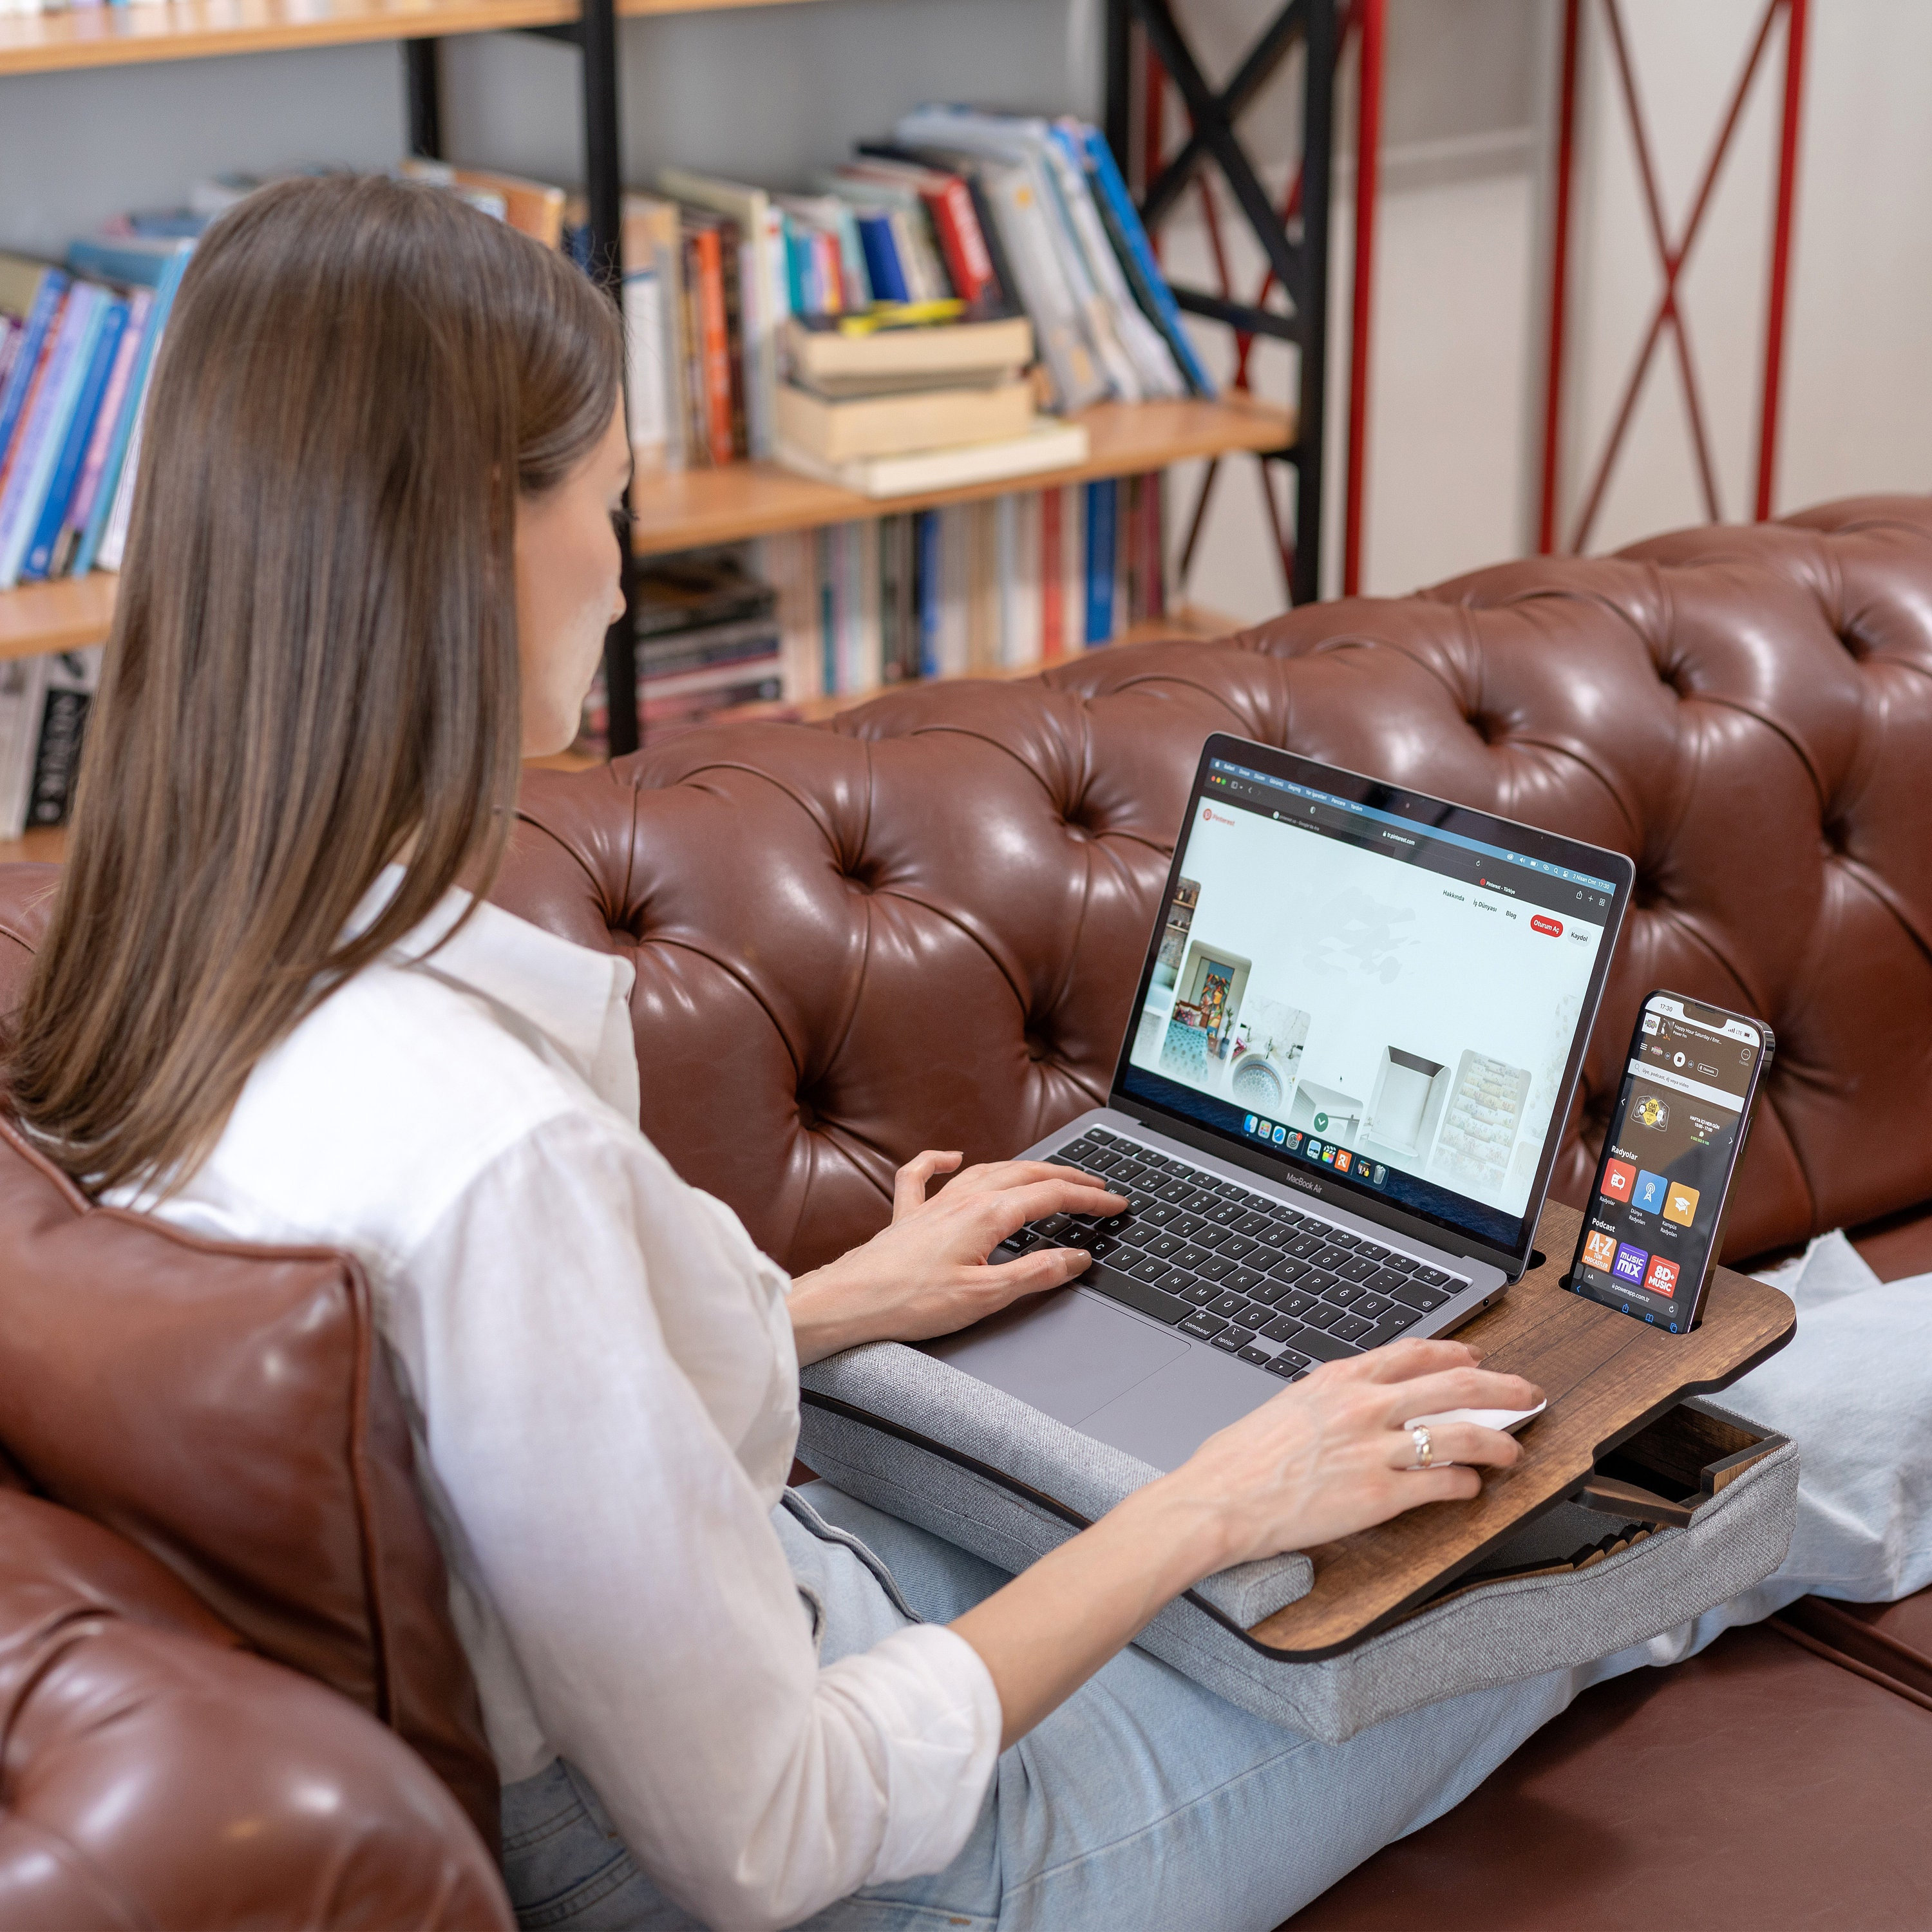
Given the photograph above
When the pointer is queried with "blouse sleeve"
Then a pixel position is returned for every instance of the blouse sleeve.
(633, 1565)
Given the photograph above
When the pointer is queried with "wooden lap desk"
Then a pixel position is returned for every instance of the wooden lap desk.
(1607, 1377)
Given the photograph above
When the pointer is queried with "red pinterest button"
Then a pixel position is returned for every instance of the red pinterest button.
(1554, 927)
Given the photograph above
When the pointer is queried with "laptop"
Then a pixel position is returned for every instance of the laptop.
(1357, 1030)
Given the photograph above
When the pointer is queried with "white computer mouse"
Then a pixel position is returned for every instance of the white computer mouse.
(1509, 1419)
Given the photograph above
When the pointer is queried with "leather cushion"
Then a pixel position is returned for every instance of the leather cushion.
(156, 1776)
(224, 1409)
(1755, 1785)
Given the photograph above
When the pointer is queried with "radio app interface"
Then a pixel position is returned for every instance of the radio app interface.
(1671, 1141)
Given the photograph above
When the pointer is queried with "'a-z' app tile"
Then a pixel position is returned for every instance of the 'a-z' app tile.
(1649, 1195)
(1629, 1263)
(1600, 1250)
(1619, 1177)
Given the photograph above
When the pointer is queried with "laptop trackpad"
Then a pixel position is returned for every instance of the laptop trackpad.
(1066, 1355)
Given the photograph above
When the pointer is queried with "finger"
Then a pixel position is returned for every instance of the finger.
(1456, 1442)
(911, 1182)
(1458, 1388)
(1013, 1207)
(1036, 1273)
(991, 1176)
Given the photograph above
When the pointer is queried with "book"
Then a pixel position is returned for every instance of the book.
(955, 567)
(683, 651)
(69, 681)
(32, 293)
(1101, 511)
(43, 423)
(533, 208)
(839, 431)
(982, 588)
(1052, 624)
(156, 264)
(821, 353)
(23, 681)
(704, 236)
(695, 592)
(1046, 445)
(1130, 240)
(764, 297)
(104, 344)
(118, 399)
(1025, 178)
(652, 313)
(954, 220)
(928, 570)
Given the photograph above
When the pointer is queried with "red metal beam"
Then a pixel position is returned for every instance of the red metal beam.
(1368, 141)
(1559, 281)
(1796, 13)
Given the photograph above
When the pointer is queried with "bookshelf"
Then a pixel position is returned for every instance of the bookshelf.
(670, 512)
(685, 509)
(197, 29)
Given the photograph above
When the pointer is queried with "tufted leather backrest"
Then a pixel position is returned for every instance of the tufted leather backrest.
(923, 927)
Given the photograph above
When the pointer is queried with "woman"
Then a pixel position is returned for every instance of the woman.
(373, 562)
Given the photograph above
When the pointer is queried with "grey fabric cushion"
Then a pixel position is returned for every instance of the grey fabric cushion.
(899, 1386)
(916, 1437)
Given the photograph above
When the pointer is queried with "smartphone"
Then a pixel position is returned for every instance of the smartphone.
(1656, 1216)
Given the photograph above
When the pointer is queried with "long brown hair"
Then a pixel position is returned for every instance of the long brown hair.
(313, 669)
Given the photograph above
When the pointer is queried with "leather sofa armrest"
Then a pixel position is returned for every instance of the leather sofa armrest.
(155, 1774)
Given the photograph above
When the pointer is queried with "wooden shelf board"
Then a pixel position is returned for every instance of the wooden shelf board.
(190, 29)
(49, 845)
(675, 510)
(61, 616)
(1185, 621)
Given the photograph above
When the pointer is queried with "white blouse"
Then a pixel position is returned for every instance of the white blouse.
(601, 1377)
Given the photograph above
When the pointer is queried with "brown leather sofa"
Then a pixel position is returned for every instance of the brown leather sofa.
(920, 928)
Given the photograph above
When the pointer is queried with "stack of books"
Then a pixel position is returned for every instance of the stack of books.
(961, 222)
(891, 411)
(77, 345)
(707, 639)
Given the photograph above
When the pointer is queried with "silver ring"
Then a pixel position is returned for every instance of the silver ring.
(1425, 1450)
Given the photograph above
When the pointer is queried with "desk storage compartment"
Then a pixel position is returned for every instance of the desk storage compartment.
(1690, 1510)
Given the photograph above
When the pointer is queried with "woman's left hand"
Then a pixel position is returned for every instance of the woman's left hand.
(926, 1274)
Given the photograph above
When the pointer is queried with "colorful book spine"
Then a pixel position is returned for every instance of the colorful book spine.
(884, 267)
(956, 223)
(163, 272)
(44, 424)
(37, 328)
(1052, 619)
(1130, 242)
(1100, 518)
(119, 398)
(930, 565)
(64, 478)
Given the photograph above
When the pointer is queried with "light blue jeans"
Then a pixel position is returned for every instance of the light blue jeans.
(1146, 1801)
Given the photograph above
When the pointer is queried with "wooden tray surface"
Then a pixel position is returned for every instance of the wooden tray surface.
(1606, 1376)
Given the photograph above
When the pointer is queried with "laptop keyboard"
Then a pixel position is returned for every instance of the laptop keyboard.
(1273, 1286)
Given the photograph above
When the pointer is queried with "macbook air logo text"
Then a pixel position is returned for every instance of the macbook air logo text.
(1294, 1180)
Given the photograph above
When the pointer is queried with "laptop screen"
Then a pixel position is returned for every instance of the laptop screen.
(1374, 986)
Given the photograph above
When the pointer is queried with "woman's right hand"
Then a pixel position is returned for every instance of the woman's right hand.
(1333, 1454)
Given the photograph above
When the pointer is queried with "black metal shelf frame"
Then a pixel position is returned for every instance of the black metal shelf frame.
(1300, 262)
(594, 35)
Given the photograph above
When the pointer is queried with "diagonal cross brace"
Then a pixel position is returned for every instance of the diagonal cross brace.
(1214, 133)
(1253, 74)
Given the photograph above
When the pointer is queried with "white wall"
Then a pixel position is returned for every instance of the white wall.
(774, 92)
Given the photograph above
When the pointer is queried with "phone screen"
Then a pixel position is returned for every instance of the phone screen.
(1674, 1139)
